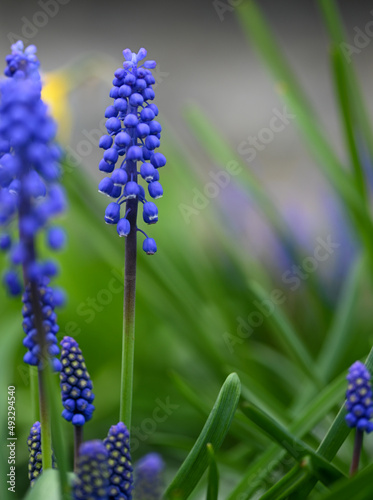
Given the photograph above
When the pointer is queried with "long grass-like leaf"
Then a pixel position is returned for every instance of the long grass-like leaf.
(214, 432)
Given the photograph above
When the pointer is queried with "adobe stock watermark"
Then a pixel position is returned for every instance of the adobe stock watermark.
(292, 278)
(223, 6)
(162, 412)
(266, 477)
(30, 27)
(361, 40)
(91, 138)
(248, 149)
(201, 199)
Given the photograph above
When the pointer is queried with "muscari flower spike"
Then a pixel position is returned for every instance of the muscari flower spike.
(29, 174)
(33, 356)
(148, 477)
(92, 475)
(117, 444)
(359, 402)
(76, 384)
(133, 136)
(35, 466)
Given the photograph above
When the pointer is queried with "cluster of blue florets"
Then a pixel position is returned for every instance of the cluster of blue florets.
(34, 356)
(92, 474)
(133, 136)
(35, 464)
(22, 62)
(359, 402)
(76, 384)
(117, 444)
(149, 477)
(29, 171)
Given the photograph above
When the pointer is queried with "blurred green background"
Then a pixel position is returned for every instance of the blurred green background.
(230, 232)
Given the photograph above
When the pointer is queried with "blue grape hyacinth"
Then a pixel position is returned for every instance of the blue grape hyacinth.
(33, 356)
(117, 444)
(359, 402)
(76, 384)
(29, 175)
(35, 464)
(148, 477)
(133, 136)
(92, 475)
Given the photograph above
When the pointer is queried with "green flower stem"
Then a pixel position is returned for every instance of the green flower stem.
(34, 393)
(78, 439)
(128, 343)
(357, 451)
(45, 421)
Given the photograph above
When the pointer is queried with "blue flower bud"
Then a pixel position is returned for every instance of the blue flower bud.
(12, 282)
(143, 129)
(123, 227)
(112, 213)
(120, 104)
(5, 242)
(113, 124)
(158, 160)
(147, 114)
(110, 111)
(125, 91)
(155, 190)
(119, 177)
(111, 155)
(155, 127)
(56, 238)
(152, 142)
(106, 167)
(150, 210)
(122, 139)
(105, 142)
(134, 153)
(130, 120)
(149, 246)
(131, 190)
(106, 186)
(114, 92)
(136, 99)
(147, 172)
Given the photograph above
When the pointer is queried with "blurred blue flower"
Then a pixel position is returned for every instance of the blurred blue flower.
(117, 444)
(29, 171)
(133, 135)
(148, 477)
(47, 304)
(92, 475)
(76, 384)
(22, 62)
(359, 402)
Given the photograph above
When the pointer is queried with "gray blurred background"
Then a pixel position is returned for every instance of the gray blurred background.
(203, 57)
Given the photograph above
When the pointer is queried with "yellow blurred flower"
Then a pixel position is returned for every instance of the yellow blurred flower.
(56, 89)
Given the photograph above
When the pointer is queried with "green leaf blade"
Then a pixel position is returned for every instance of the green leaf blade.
(214, 432)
